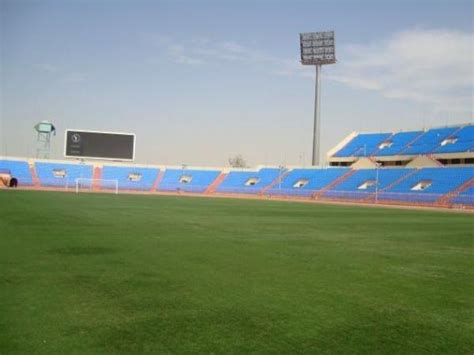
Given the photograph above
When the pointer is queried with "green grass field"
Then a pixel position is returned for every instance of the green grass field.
(93, 273)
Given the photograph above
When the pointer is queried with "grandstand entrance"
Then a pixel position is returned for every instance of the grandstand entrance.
(301, 183)
(422, 185)
(185, 179)
(252, 182)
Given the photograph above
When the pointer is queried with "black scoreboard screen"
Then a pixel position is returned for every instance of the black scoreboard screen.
(99, 145)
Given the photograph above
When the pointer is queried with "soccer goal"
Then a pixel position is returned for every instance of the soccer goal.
(89, 185)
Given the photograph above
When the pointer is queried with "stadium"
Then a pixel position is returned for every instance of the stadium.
(366, 250)
(432, 168)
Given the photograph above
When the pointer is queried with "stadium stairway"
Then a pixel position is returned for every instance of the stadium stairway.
(188, 180)
(373, 197)
(454, 134)
(444, 200)
(64, 175)
(413, 141)
(275, 182)
(430, 141)
(377, 149)
(215, 184)
(363, 145)
(159, 177)
(34, 177)
(396, 182)
(429, 184)
(462, 141)
(96, 176)
(336, 182)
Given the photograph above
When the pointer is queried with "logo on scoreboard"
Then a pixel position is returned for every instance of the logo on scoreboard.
(76, 138)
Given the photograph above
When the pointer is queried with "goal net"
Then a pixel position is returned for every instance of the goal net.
(90, 185)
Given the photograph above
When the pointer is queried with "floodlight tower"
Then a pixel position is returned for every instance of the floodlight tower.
(317, 48)
(44, 129)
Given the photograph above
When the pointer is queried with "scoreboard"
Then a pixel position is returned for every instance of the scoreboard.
(99, 145)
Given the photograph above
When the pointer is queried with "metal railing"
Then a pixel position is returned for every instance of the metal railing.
(372, 196)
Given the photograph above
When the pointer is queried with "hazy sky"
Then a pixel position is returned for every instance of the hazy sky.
(198, 81)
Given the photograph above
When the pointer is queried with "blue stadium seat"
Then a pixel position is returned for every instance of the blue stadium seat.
(437, 140)
(130, 178)
(398, 142)
(465, 197)
(362, 183)
(462, 141)
(305, 182)
(429, 141)
(62, 174)
(362, 145)
(18, 169)
(249, 182)
(188, 180)
(438, 181)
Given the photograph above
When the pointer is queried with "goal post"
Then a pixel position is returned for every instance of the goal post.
(90, 185)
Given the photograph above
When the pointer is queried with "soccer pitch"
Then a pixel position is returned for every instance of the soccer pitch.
(97, 273)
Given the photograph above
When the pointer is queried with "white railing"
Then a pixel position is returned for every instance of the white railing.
(379, 196)
(90, 185)
(54, 183)
(192, 188)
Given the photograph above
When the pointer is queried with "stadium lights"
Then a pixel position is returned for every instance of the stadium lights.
(44, 130)
(317, 48)
(45, 127)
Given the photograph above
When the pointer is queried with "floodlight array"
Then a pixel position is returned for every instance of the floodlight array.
(317, 48)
